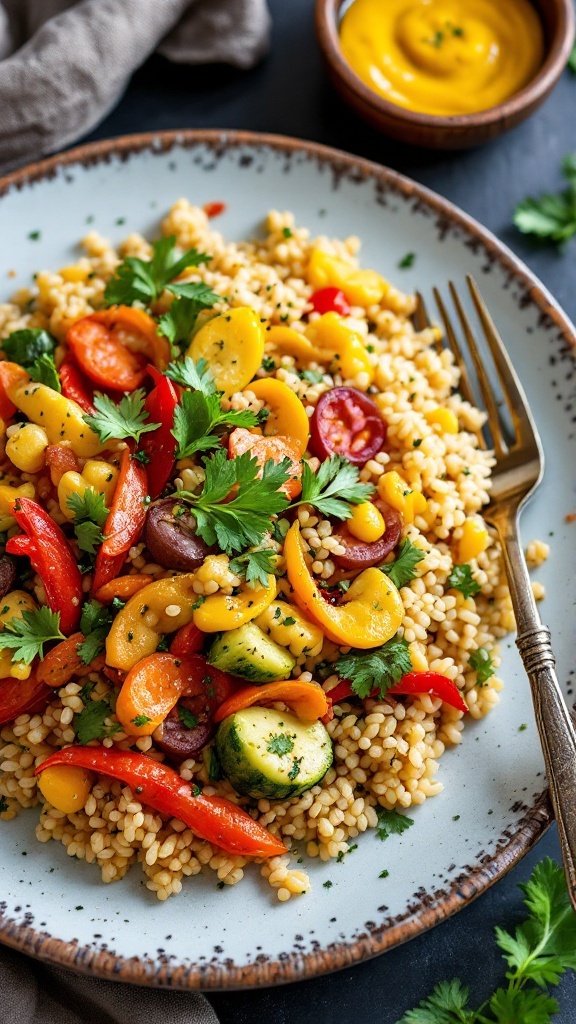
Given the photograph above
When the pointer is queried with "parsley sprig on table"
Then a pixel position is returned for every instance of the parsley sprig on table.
(376, 670)
(126, 419)
(538, 953)
(551, 217)
(334, 488)
(26, 636)
(90, 513)
(143, 281)
(242, 521)
(402, 570)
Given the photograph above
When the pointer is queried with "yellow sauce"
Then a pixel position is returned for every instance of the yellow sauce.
(443, 57)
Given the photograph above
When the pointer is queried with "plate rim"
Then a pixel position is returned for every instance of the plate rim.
(514, 845)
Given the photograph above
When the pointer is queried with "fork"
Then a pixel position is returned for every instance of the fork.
(518, 471)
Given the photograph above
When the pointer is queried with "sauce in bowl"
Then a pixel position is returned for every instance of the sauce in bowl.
(443, 57)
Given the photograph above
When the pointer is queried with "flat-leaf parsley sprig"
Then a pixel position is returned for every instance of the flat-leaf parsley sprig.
(538, 953)
(334, 488)
(551, 217)
(376, 670)
(127, 419)
(179, 322)
(244, 519)
(255, 566)
(137, 280)
(26, 636)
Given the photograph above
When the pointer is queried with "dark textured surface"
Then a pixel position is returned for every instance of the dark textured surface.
(288, 94)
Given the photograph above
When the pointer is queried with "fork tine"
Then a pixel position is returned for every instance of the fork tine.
(511, 387)
(500, 446)
(464, 386)
(421, 320)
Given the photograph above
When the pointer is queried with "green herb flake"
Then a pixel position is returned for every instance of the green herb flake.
(327, 884)
(295, 769)
(461, 579)
(376, 670)
(187, 718)
(391, 823)
(141, 720)
(281, 744)
(27, 635)
(384, 873)
(401, 571)
(407, 261)
(481, 662)
(90, 723)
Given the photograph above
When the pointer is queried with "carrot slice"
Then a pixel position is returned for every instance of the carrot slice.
(122, 587)
(63, 662)
(104, 359)
(307, 700)
(152, 688)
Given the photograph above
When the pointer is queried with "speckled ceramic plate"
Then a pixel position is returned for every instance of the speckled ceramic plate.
(494, 805)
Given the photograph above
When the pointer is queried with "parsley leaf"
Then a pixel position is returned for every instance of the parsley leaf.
(333, 488)
(461, 579)
(481, 662)
(90, 513)
(26, 636)
(192, 375)
(244, 520)
(141, 720)
(407, 261)
(280, 744)
(179, 322)
(89, 724)
(95, 624)
(572, 60)
(198, 416)
(3, 804)
(295, 769)
(254, 566)
(447, 1004)
(401, 571)
(28, 345)
(551, 216)
(44, 371)
(376, 670)
(137, 280)
(187, 718)
(529, 1006)
(125, 419)
(391, 823)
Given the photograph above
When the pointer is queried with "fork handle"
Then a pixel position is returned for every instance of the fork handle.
(555, 727)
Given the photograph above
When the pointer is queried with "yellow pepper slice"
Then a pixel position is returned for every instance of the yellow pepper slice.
(395, 492)
(371, 611)
(61, 418)
(292, 343)
(161, 607)
(287, 414)
(473, 542)
(8, 495)
(331, 334)
(233, 345)
(228, 611)
(361, 287)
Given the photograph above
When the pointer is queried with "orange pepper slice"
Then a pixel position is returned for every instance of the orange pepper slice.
(307, 700)
(122, 587)
(288, 417)
(152, 688)
(371, 610)
(139, 331)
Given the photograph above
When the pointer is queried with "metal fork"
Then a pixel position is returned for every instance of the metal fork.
(516, 475)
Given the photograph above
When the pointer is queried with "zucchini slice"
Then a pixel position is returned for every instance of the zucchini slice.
(268, 753)
(249, 653)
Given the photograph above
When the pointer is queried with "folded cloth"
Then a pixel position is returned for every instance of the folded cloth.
(65, 63)
(36, 994)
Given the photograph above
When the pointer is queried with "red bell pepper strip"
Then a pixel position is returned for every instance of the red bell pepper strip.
(330, 300)
(76, 386)
(160, 444)
(414, 682)
(52, 558)
(22, 696)
(188, 640)
(125, 520)
(212, 818)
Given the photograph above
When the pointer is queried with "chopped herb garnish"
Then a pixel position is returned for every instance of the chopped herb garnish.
(391, 823)
(281, 744)
(334, 488)
(401, 571)
(137, 280)
(187, 718)
(295, 769)
(327, 884)
(198, 416)
(90, 723)
(376, 670)
(90, 513)
(27, 635)
(127, 418)
(481, 662)
(407, 261)
(141, 720)
(461, 579)
(254, 566)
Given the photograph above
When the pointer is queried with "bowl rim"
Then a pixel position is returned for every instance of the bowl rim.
(326, 22)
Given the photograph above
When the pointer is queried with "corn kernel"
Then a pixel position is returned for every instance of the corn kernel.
(102, 476)
(26, 448)
(66, 787)
(394, 491)
(74, 273)
(366, 522)
(443, 418)
(8, 495)
(70, 483)
(473, 541)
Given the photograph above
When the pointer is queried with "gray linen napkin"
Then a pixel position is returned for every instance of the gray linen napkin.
(31, 993)
(65, 63)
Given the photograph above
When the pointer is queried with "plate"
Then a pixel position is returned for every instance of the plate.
(494, 805)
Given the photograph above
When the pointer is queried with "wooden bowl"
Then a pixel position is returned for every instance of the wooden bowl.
(462, 130)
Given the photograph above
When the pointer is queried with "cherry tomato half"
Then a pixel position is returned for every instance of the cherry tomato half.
(22, 696)
(359, 554)
(330, 300)
(346, 422)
